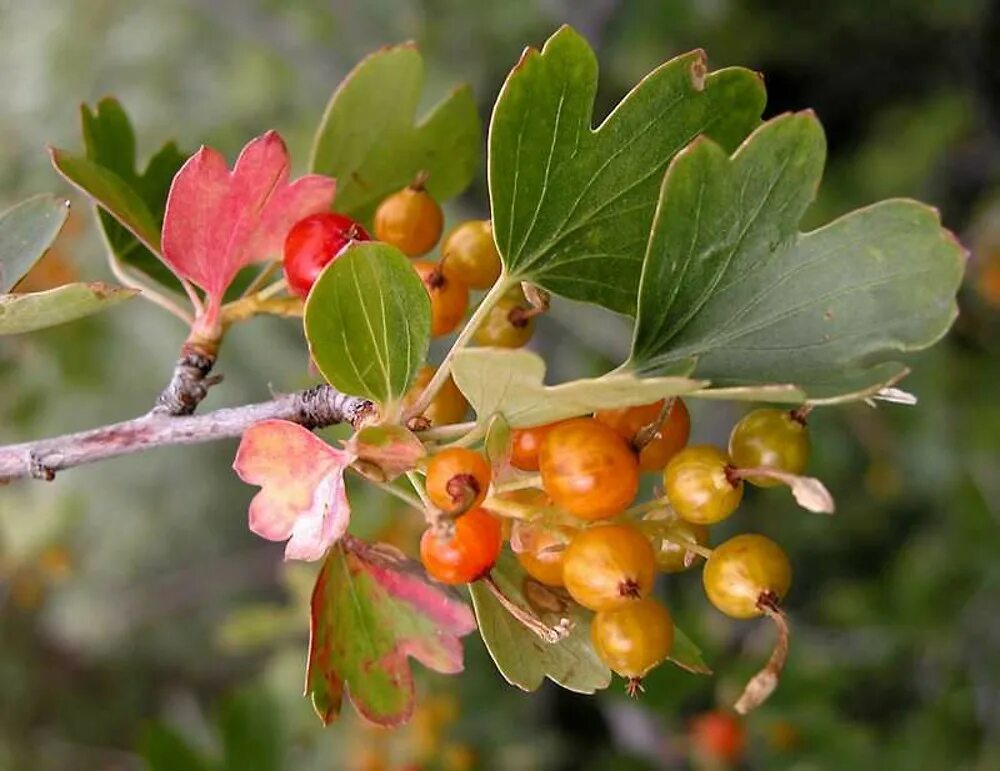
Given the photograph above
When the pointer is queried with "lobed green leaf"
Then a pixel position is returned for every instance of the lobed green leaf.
(21, 313)
(367, 320)
(732, 292)
(511, 383)
(571, 204)
(367, 138)
(27, 231)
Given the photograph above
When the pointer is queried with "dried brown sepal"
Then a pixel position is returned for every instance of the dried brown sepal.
(762, 685)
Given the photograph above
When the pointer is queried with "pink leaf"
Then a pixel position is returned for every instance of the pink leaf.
(217, 222)
(302, 496)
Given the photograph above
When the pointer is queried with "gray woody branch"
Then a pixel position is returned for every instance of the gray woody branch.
(314, 408)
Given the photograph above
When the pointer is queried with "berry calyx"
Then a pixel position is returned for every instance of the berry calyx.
(770, 438)
(448, 405)
(470, 256)
(542, 550)
(526, 444)
(717, 736)
(588, 469)
(668, 537)
(633, 640)
(411, 220)
(449, 298)
(466, 553)
(457, 479)
(744, 573)
(508, 325)
(657, 431)
(701, 486)
(313, 243)
(609, 566)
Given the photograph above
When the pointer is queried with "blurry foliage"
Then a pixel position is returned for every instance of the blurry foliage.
(139, 618)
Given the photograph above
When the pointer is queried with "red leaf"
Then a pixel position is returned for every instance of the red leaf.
(371, 609)
(217, 222)
(302, 495)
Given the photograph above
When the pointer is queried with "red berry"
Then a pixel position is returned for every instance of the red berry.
(718, 736)
(468, 553)
(313, 243)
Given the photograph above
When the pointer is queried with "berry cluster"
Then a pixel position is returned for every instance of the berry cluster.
(576, 528)
(412, 221)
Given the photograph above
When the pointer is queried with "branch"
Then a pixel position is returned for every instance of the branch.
(314, 408)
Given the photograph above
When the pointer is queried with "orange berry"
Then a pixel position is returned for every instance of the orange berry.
(449, 298)
(505, 326)
(718, 736)
(411, 220)
(671, 437)
(634, 639)
(448, 405)
(466, 555)
(699, 486)
(588, 469)
(543, 550)
(525, 444)
(609, 566)
(457, 479)
(470, 256)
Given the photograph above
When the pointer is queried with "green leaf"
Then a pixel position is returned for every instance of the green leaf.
(510, 382)
(497, 444)
(38, 310)
(371, 609)
(27, 230)
(687, 655)
(131, 204)
(368, 141)
(572, 205)
(521, 656)
(368, 322)
(732, 292)
(163, 749)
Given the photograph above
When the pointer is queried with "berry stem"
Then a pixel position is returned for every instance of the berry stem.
(809, 492)
(447, 432)
(394, 491)
(651, 431)
(475, 320)
(762, 685)
(689, 545)
(533, 480)
(549, 634)
(418, 488)
(644, 508)
(261, 278)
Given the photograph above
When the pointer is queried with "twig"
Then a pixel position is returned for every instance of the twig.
(314, 408)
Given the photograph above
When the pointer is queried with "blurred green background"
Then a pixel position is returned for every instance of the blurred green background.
(141, 623)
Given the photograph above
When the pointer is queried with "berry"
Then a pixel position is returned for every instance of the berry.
(457, 479)
(470, 256)
(609, 566)
(449, 298)
(526, 443)
(313, 243)
(699, 485)
(634, 639)
(718, 736)
(588, 469)
(507, 325)
(467, 554)
(671, 556)
(669, 439)
(448, 405)
(411, 220)
(744, 571)
(770, 438)
(544, 552)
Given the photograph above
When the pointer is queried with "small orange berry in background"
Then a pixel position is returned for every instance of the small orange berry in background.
(457, 479)
(544, 550)
(467, 554)
(671, 435)
(448, 405)
(588, 469)
(525, 444)
(449, 298)
(411, 220)
(718, 736)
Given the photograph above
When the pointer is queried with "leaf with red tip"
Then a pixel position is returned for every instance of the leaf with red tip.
(371, 609)
(302, 496)
(219, 221)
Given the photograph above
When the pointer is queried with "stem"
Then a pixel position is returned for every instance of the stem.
(314, 408)
(258, 280)
(684, 543)
(532, 480)
(549, 634)
(441, 375)
(447, 432)
(762, 685)
(418, 487)
(402, 495)
(648, 506)
(649, 432)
